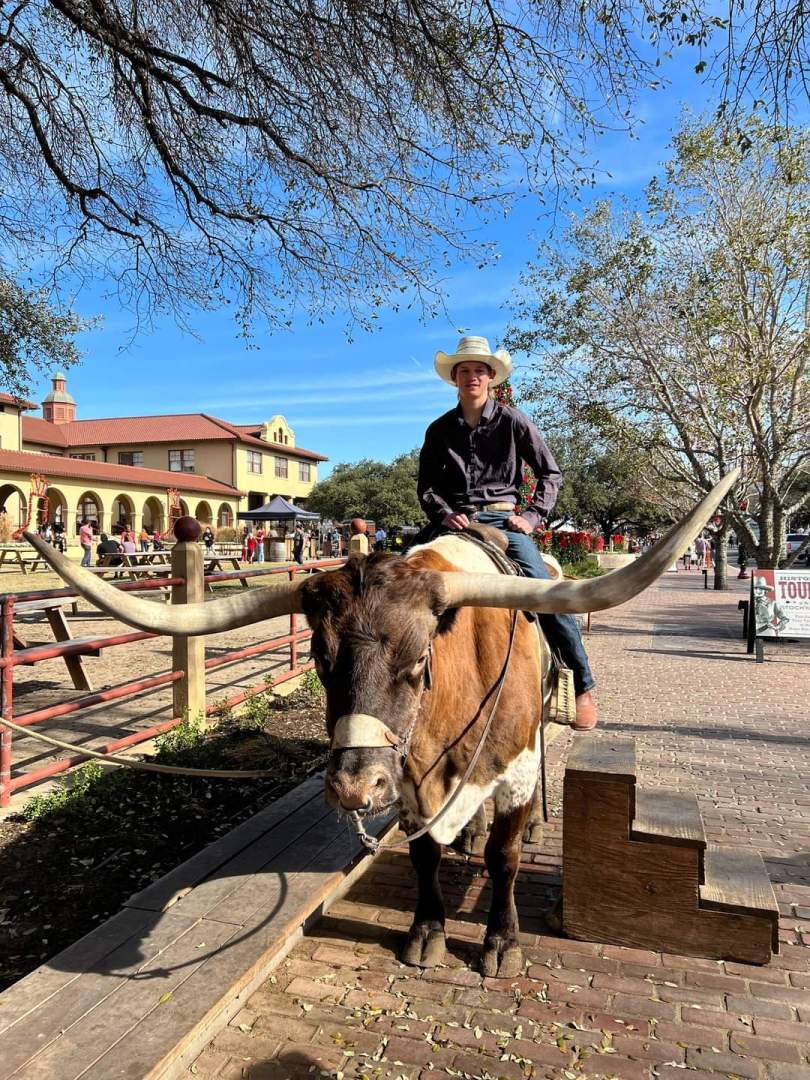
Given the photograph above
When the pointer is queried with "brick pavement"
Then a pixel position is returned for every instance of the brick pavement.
(674, 674)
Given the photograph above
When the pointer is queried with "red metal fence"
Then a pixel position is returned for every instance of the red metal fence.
(10, 658)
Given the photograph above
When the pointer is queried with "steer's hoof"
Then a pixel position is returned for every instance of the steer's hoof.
(533, 833)
(469, 842)
(554, 917)
(425, 947)
(502, 961)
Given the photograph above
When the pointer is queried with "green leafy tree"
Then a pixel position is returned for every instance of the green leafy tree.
(385, 493)
(680, 329)
(605, 489)
(34, 337)
(280, 155)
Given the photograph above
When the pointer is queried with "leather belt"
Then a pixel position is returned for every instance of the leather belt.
(496, 506)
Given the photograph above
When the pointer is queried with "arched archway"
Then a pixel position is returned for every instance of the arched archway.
(57, 507)
(123, 513)
(15, 504)
(224, 516)
(203, 513)
(183, 507)
(153, 515)
(91, 507)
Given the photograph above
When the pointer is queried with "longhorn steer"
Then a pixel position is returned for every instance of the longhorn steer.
(374, 622)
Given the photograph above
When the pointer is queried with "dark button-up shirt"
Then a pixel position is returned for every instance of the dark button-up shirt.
(462, 468)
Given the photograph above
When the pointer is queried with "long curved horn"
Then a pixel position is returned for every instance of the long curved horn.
(187, 619)
(573, 597)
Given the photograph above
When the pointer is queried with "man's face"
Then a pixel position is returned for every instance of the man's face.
(473, 378)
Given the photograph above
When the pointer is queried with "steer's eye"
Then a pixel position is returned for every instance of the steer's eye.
(322, 667)
(416, 671)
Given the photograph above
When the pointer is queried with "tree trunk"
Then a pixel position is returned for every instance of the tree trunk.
(766, 546)
(779, 538)
(721, 559)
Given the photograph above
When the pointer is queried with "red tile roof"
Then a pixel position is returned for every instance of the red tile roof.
(131, 430)
(20, 461)
(21, 403)
(43, 432)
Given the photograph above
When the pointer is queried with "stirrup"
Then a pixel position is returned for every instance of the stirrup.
(563, 705)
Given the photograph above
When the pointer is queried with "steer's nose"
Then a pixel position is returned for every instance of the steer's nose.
(367, 789)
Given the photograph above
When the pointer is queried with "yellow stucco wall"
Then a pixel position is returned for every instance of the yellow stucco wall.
(267, 481)
(9, 428)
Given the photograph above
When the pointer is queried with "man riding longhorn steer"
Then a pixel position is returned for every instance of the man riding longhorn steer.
(470, 469)
(413, 655)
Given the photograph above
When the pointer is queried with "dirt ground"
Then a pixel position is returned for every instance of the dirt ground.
(49, 683)
(77, 855)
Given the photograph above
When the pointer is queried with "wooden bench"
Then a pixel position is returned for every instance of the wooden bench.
(55, 614)
(637, 870)
(213, 564)
(141, 995)
(25, 557)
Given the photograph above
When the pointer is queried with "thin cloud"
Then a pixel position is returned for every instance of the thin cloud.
(345, 395)
(350, 381)
(375, 420)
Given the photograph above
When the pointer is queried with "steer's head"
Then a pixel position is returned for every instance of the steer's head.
(373, 621)
(372, 624)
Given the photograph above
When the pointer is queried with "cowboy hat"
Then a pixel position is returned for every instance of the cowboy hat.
(474, 348)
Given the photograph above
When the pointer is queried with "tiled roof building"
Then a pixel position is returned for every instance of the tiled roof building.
(120, 470)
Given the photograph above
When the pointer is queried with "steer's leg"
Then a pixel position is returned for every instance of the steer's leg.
(533, 832)
(425, 944)
(502, 955)
(473, 837)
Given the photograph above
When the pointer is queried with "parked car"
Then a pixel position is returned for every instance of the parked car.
(793, 541)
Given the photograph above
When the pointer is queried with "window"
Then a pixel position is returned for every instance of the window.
(281, 467)
(130, 457)
(83, 457)
(303, 471)
(254, 461)
(225, 517)
(181, 461)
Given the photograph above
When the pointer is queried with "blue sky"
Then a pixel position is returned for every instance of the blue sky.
(375, 396)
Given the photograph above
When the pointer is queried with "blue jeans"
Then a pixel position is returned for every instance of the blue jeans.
(86, 553)
(259, 551)
(561, 631)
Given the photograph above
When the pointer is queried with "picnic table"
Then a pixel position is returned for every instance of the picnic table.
(24, 556)
(55, 614)
(135, 573)
(217, 564)
(136, 558)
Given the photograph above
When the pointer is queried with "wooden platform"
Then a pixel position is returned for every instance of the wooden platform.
(637, 869)
(140, 996)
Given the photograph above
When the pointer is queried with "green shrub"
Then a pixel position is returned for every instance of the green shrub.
(226, 534)
(584, 568)
(79, 788)
(312, 685)
(187, 736)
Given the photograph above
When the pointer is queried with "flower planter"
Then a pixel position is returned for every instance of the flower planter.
(612, 560)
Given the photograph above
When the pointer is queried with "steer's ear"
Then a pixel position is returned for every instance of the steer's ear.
(446, 620)
(445, 616)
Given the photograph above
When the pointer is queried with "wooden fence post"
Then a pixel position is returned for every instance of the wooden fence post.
(188, 653)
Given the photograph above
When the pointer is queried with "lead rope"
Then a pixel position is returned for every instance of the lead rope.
(371, 843)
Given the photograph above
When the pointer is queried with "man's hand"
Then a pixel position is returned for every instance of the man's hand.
(456, 522)
(516, 523)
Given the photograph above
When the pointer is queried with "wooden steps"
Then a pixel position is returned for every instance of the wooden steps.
(637, 869)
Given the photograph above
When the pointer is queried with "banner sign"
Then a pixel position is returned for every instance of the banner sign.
(781, 603)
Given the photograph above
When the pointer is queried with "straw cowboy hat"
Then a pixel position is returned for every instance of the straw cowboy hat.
(474, 348)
